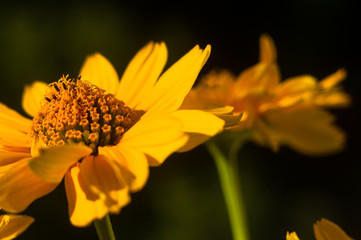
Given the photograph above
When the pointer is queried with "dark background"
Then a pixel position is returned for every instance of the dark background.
(182, 199)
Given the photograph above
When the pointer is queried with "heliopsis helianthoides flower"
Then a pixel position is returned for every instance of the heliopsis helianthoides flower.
(289, 112)
(100, 134)
(12, 225)
(324, 230)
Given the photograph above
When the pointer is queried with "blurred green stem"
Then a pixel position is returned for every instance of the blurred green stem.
(228, 175)
(104, 228)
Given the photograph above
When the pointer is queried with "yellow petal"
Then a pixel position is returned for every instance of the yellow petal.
(7, 157)
(52, 163)
(14, 120)
(202, 125)
(100, 72)
(157, 135)
(130, 159)
(142, 73)
(84, 205)
(16, 224)
(172, 87)
(327, 230)
(32, 97)
(93, 190)
(11, 137)
(19, 187)
(306, 129)
(292, 236)
(333, 79)
(267, 49)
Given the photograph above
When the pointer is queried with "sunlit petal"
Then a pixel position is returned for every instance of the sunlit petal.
(100, 72)
(14, 120)
(141, 74)
(172, 87)
(19, 187)
(32, 96)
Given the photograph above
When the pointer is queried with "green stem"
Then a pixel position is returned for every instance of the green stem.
(231, 188)
(104, 228)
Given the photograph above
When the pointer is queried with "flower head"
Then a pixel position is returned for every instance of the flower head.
(12, 225)
(100, 134)
(277, 112)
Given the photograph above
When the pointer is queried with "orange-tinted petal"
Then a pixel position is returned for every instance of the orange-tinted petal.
(100, 72)
(14, 120)
(52, 163)
(327, 230)
(131, 159)
(141, 74)
(13, 225)
(157, 135)
(172, 87)
(268, 52)
(306, 129)
(19, 187)
(32, 97)
(333, 79)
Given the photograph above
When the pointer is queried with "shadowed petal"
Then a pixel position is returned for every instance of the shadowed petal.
(52, 163)
(327, 230)
(133, 160)
(158, 136)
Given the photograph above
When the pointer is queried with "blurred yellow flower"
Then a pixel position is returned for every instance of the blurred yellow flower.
(100, 134)
(324, 230)
(12, 225)
(278, 112)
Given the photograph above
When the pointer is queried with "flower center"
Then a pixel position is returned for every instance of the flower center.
(76, 111)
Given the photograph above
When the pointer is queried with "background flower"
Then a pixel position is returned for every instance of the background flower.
(284, 191)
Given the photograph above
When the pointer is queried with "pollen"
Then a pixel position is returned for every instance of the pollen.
(76, 111)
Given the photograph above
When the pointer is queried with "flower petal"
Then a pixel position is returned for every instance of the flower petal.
(142, 73)
(133, 160)
(308, 130)
(157, 135)
(172, 87)
(100, 72)
(203, 126)
(327, 230)
(292, 236)
(333, 79)
(19, 187)
(32, 97)
(14, 120)
(53, 162)
(16, 224)
(11, 137)
(268, 52)
(93, 190)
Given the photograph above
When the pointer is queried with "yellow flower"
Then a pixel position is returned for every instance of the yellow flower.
(12, 225)
(278, 112)
(324, 230)
(100, 134)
